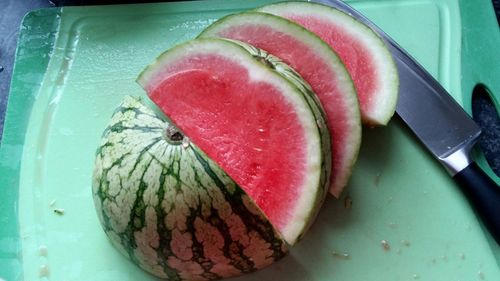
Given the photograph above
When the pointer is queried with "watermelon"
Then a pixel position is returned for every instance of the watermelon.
(251, 185)
(361, 49)
(315, 61)
(170, 209)
(255, 117)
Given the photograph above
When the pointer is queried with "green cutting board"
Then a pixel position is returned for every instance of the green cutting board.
(75, 64)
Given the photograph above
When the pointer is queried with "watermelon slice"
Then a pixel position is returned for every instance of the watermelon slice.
(314, 60)
(263, 129)
(364, 53)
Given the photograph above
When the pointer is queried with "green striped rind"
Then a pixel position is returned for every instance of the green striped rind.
(314, 104)
(170, 209)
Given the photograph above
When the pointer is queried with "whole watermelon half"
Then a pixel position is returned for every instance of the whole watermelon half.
(170, 209)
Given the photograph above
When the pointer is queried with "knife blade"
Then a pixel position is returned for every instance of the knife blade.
(440, 124)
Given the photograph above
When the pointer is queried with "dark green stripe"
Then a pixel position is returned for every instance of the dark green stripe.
(164, 251)
(258, 223)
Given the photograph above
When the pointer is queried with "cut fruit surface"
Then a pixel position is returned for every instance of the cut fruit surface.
(363, 52)
(315, 61)
(257, 125)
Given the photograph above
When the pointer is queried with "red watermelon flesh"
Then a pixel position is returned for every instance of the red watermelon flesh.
(319, 66)
(363, 52)
(241, 120)
(355, 56)
(270, 127)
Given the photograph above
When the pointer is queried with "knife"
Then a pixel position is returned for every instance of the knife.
(442, 126)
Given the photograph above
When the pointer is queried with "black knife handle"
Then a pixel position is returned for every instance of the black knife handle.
(483, 194)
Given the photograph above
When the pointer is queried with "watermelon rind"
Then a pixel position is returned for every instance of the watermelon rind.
(170, 209)
(379, 108)
(343, 115)
(305, 105)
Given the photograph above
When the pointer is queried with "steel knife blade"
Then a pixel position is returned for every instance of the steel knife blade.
(440, 124)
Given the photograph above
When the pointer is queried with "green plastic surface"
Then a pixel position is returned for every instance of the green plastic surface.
(480, 57)
(38, 32)
(63, 94)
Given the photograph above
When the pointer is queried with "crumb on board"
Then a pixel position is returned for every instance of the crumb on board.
(416, 276)
(461, 256)
(52, 203)
(42, 250)
(392, 224)
(348, 202)
(340, 255)
(480, 274)
(385, 245)
(59, 211)
(43, 271)
(376, 179)
(405, 242)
